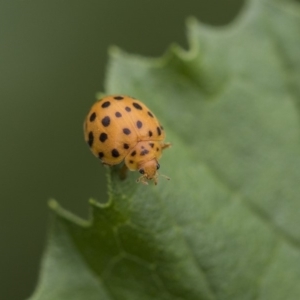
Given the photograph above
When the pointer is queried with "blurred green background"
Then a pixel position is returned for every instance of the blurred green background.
(53, 56)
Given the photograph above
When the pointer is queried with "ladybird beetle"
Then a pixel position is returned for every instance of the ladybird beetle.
(120, 128)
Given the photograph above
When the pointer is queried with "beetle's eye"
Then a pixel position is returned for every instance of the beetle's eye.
(157, 166)
(142, 171)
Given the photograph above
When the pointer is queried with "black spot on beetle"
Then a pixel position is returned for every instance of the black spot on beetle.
(91, 139)
(150, 133)
(105, 104)
(144, 152)
(133, 153)
(131, 161)
(119, 98)
(137, 106)
(151, 145)
(139, 124)
(115, 153)
(100, 155)
(92, 117)
(157, 149)
(126, 131)
(118, 114)
(105, 121)
(126, 146)
(150, 114)
(127, 108)
(103, 137)
(158, 130)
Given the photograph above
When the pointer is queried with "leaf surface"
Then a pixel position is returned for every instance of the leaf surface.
(226, 226)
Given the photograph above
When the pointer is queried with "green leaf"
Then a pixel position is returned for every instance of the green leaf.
(227, 224)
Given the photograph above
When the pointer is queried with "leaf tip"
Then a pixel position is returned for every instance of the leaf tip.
(114, 50)
(53, 204)
(191, 21)
(97, 204)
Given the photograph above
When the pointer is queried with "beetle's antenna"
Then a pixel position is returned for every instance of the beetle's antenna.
(166, 177)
